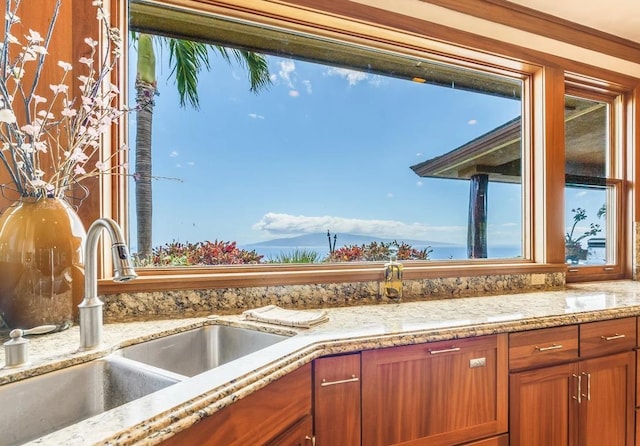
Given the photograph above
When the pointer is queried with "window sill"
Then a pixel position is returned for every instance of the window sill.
(243, 276)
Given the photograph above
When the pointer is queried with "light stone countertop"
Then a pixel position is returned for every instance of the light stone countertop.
(151, 419)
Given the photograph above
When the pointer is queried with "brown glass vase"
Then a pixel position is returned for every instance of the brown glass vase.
(41, 256)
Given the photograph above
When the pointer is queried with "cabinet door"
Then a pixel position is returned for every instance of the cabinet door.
(256, 419)
(336, 400)
(300, 434)
(607, 407)
(447, 392)
(543, 406)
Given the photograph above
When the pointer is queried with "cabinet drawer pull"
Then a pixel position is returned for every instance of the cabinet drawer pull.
(311, 439)
(551, 347)
(325, 383)
(444, 350)
(588, 395)
(578, 396)
(611, 338)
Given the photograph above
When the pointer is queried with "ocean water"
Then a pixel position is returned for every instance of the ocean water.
(439, 252)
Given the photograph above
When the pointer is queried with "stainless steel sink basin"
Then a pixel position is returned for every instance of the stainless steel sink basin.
(201, 349)
(40, 405)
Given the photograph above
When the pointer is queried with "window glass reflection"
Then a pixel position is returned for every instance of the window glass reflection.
(590, 195)
(333, 162)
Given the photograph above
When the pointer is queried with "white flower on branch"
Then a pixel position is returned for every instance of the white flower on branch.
(7, 116)
(38, 99)
(60, 88)
(69, 128)
(11, 18)
(34, 37)
(66, 66)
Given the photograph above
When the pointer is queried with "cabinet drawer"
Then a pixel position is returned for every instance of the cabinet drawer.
(605, 337)
(542, 347)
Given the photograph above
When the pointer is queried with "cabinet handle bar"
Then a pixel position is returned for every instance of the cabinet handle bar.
(578, 397)
(445, 350)
(588, 395)
(551, 347)
(611, 338)
(353, 379)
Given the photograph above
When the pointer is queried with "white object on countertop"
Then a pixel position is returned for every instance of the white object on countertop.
(293, 318)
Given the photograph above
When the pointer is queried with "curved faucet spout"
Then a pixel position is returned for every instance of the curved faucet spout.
(91, 306)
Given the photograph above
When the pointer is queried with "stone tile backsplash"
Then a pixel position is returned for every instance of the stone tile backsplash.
(203, 302)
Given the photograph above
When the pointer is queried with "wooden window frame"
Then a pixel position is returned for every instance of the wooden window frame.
(617, 178)
(543, 97)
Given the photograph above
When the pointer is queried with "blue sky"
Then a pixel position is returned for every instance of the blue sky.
(323, 148)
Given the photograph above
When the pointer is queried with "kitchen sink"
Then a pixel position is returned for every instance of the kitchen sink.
(43, 404)
(196, 351)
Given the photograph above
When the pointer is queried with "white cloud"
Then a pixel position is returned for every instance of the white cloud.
(419, 154)
(472, 121)
(286, 224)
(255, 116)
(307, 85)
(191, 163)
(389, 194)
(376, 80)
(353, 77)
(287, 68)
(294, 93)
(582, 193)
(174, 154)
(419, 183)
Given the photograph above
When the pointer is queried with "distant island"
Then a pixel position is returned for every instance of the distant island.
(319, 239)
(318, 243)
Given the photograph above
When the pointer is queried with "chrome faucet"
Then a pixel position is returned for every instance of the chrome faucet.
(91, 306)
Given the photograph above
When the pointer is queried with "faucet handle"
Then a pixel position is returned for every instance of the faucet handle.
(40, 329)
(16, 349)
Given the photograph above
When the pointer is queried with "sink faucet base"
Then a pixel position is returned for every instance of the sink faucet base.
(90, 324)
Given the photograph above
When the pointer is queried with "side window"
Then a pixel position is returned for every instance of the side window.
(593, 187)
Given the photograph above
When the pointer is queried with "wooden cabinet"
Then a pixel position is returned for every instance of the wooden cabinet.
(336, 400)
(562, 386)
(278, 414)
(442, 393)
(583, 402)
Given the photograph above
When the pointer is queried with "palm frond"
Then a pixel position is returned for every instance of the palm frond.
(254, 63)
(186, 59)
